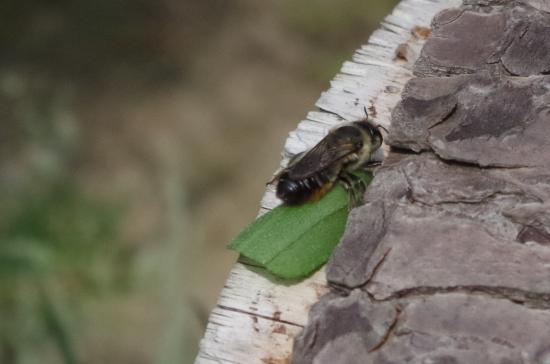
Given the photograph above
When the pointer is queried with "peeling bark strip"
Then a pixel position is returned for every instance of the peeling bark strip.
(455, 232)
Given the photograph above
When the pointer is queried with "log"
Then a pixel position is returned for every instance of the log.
(448, 260)
(257, 317)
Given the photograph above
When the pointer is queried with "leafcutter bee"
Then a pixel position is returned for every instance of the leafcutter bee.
(311, 174)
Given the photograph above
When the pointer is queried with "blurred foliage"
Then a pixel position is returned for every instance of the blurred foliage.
(57, 231)
(336, 24)
(56, 242)
(55, 249)
(333, 28)
(67, 38)
(93, 40)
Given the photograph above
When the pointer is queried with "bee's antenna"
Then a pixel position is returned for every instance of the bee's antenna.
(274, 178)
(366, 113)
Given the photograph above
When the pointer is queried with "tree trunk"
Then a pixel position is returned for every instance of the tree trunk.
(448, 260)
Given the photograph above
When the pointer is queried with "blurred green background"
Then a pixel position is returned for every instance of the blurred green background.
(136, 138)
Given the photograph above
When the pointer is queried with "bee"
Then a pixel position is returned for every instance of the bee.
(311, 174)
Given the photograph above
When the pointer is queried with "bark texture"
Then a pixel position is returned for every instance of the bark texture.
(449, 259)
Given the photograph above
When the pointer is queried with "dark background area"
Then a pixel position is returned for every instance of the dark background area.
(136, 138)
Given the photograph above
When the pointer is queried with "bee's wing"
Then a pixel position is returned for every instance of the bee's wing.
(327, 152)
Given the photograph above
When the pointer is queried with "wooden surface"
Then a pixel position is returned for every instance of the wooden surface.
(257, 317)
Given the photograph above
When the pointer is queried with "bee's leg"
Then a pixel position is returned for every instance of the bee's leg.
(355, 187)
(372, 164)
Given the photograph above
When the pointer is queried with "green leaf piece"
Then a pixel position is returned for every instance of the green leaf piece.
(293, 241)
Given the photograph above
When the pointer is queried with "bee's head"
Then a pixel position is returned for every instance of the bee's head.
(373, 133)
(372, 130)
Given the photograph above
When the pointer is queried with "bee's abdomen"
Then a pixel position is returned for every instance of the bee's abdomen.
(296, 192)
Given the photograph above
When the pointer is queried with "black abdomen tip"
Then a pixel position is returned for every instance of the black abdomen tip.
(293, 192)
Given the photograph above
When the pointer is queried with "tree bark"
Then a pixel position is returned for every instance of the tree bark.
(448, 260)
